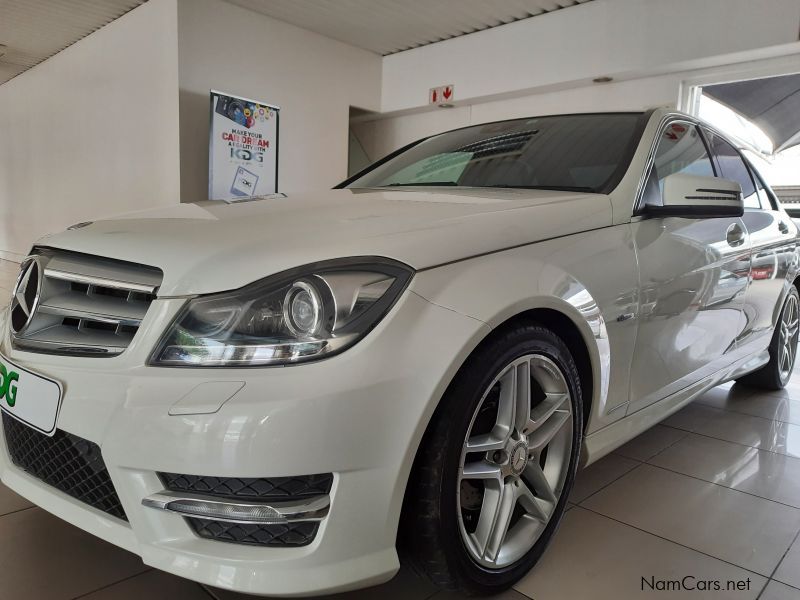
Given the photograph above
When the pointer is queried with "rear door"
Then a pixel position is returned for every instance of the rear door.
(773, 239)
(693, 275)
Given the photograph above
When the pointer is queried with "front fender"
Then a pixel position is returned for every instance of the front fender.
(590, 278)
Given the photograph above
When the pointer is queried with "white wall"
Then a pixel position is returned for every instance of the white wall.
(92, 131)
(381, 136)
(619, 38)
(314, 80)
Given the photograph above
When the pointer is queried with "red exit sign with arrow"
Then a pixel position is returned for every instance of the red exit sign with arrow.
(441, 95)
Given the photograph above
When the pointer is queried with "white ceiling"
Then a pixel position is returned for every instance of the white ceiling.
(33, 30)
(388, 26)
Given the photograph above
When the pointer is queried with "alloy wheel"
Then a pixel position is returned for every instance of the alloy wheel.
(787, 342)
(515, 461)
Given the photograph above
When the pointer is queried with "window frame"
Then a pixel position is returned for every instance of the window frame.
(747, 167)
(639, 205)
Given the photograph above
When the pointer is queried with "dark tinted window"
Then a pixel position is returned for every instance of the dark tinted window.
(764, 194)
(581, 152)
(731, 166)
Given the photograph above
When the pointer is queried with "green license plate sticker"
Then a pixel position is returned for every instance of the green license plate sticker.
(31, 398)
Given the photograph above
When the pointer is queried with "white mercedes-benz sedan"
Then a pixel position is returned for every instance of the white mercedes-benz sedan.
(282, 396)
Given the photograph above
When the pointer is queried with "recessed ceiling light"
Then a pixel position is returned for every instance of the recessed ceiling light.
(603, 79)
(445, 105)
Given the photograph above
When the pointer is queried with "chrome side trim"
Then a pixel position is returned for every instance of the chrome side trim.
(273, 513)
(127, 286)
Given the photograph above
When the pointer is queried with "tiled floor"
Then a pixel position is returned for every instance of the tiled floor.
(713, 494)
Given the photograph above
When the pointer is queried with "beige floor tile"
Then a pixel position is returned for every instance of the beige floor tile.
(405, 586)
(758, 404)
(766, 474)
(508, 595)
(152, 585)
(596, 558)
(11, 502)
(774, 436)
(789, 570)
(778, 591)
(747, 531)
(44, 557)
(651, 442)
(598, 475)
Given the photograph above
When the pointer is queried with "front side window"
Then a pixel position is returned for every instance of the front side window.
(565, 152)
(732, 167)
(680, 150)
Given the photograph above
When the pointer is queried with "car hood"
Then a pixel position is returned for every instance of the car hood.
(214, 246)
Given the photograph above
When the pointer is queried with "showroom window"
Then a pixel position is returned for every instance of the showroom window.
(732, 166)
(680, 150)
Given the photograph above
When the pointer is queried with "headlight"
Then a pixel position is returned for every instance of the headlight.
(301, 315)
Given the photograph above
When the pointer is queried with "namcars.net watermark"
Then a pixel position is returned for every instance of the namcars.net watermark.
(691, 583)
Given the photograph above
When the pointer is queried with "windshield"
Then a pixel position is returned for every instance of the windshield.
(565, 152)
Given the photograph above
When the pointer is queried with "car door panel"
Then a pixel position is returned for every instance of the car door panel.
(693, 275)
(692, 288)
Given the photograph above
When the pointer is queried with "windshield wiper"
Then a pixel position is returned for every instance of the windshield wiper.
(557, 188)
(421, 183)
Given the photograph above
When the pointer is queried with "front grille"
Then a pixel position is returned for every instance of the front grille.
(67, 462)
(272, 488)
(80, 304)
(291, 534)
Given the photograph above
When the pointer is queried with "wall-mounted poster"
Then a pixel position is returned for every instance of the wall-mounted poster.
(243, 151)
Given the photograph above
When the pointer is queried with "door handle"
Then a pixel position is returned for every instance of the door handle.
(735, 235)
(783, 227)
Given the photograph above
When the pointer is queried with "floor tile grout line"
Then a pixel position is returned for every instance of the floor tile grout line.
(667, 447)
(147, 570)
(19, 510)
(783, 556)
(711, 437)
(724, 410)
(597, 491)
(732, 489)
(727, 562)
(207, 591)
(746, 414)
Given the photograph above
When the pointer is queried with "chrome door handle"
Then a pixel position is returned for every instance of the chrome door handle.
(735, 235)
(783, 227)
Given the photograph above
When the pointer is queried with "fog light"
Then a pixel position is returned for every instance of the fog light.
(274, 513)
(227, 512)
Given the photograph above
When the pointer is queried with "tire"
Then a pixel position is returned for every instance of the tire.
(776, 373)
(440, 528)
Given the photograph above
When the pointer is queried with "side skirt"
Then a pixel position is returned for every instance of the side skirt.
(608, 439)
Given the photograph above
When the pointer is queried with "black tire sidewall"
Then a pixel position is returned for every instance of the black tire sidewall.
(462, 402)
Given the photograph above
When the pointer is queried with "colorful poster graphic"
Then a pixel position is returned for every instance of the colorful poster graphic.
(243, 151)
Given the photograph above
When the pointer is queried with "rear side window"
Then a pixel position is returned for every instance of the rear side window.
(732, 167)
(764, 195)
(680, 150)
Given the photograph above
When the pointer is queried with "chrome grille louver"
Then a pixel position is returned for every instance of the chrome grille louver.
(86, 305)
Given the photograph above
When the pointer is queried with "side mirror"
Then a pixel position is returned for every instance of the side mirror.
(698, 196)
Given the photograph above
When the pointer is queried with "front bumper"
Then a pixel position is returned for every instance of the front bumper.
(359, 415)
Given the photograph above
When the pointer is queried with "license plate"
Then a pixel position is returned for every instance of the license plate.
(29, 397)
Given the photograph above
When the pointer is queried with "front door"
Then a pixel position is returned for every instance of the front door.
(693, 275)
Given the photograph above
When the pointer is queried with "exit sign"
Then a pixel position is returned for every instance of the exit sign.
(441, 95)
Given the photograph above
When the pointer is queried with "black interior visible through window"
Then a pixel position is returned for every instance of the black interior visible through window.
(583, 152)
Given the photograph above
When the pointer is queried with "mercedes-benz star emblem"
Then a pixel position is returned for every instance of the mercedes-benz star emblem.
(26, 294)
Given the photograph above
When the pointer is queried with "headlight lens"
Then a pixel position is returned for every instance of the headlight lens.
(301, 315)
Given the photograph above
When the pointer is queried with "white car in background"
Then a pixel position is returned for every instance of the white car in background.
(273, 396)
